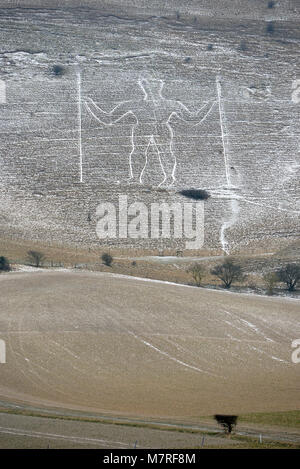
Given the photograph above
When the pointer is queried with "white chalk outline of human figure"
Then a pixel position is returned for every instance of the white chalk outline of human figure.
(153, 115)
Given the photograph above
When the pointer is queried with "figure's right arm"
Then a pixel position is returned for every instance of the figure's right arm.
(107, 118)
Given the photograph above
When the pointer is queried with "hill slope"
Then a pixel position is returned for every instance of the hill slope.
(245, 152)
(145, 348)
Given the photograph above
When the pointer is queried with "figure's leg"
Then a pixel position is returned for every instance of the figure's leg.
(163, 143)
(138, 156)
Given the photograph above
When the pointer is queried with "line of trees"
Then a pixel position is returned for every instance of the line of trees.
(35, 258)
(230, 272)
(38, 258)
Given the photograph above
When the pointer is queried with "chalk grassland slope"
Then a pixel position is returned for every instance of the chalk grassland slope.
(246, 9)
(125, 346)
(40, 193)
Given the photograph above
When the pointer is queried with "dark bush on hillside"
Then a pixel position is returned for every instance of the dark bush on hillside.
(4, 264)
(243, 46)
(58, 70)
(228, 422)
(107, 259)
(196, 194)
(290, 275)
(270, 28)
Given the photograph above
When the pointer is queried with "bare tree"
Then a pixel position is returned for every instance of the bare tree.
(228, 272)
(290, 274)
(270, 280)
(197, 271)
(36, 258)
(228, 422)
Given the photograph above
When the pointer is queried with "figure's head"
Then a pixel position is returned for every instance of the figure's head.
(151, 88)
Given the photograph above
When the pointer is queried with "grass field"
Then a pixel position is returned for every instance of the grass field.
(283, 419)
(36, 429)
(133, 347)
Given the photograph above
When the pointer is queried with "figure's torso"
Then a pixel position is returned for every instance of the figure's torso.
(157, 112)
